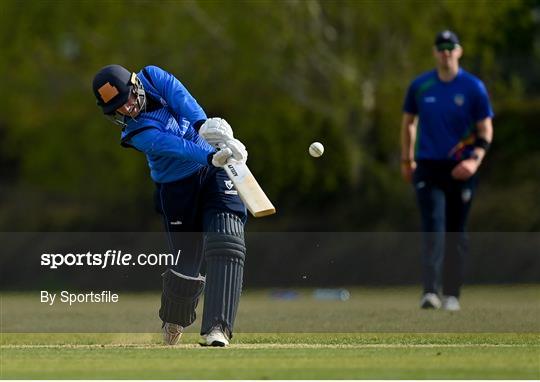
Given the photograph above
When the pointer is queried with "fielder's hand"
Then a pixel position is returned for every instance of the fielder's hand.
(216, 131)
(407, 170)
(465, 169)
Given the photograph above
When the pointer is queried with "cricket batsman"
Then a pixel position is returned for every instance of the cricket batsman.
(160, 118)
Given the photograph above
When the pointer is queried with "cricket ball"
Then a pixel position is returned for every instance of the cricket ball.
(316, 149)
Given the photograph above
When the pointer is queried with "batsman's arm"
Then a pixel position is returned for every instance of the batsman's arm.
(176, 94)
(154, 142)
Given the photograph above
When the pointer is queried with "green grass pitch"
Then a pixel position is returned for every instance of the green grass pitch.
(378, 334)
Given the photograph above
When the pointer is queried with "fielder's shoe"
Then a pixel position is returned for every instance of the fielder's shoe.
(171, 333)
(430, 301)
(215, 337)
(450, 303)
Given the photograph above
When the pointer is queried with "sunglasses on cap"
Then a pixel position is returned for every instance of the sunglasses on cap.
(446, 46)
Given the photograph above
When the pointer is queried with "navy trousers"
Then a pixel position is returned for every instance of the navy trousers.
(187, 204)
(444, 204)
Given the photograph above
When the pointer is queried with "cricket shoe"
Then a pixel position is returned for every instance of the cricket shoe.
(450, 303)
(171, 333)
(430, 301)
(215, 337)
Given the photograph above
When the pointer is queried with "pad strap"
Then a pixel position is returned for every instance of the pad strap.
(180, 297)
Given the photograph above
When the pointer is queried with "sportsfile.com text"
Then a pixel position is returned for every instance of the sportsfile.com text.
(108, 258)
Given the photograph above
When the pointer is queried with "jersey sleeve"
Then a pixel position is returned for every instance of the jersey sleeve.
(155, 142)
(409, 105)
(176, 95)
(481, 106)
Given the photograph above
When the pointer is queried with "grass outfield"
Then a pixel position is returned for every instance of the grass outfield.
(499, 339)
(275, 356)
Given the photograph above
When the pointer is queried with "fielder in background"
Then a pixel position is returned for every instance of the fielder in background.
(446, 132)
(202, 212)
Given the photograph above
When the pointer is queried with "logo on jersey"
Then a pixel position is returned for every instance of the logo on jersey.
(173, 127)
(229, 191)
(184, 124)
(420, 185)
(430, 99)
(176, 129)
(459, 99)
(466, 195)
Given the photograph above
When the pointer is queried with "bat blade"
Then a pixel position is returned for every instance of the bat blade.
(249, 190)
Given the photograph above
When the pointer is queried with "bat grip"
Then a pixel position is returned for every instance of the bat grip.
(221, 146)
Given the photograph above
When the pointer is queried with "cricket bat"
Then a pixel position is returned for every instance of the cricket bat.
(249, 190)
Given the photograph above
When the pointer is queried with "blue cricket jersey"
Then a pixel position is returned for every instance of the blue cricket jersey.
(447, 114)
(165, 132)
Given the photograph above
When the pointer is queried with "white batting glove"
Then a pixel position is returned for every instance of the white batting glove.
(221, 157)
(237, 148)
(216, 131)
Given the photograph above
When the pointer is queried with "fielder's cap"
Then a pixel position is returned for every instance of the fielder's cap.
(112, 86)
(446, 37)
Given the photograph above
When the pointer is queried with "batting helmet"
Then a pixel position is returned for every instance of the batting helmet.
(112, 86)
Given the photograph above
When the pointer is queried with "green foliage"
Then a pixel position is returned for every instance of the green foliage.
(284, 74)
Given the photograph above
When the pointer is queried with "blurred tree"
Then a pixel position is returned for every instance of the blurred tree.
(285, 74)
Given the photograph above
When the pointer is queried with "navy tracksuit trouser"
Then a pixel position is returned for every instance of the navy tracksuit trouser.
(187, 205)
(444, 204)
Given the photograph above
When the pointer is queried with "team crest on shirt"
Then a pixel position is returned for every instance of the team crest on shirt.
(229, 191)
(459, 99)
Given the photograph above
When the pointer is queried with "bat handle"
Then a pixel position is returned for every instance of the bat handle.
(221, 146)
